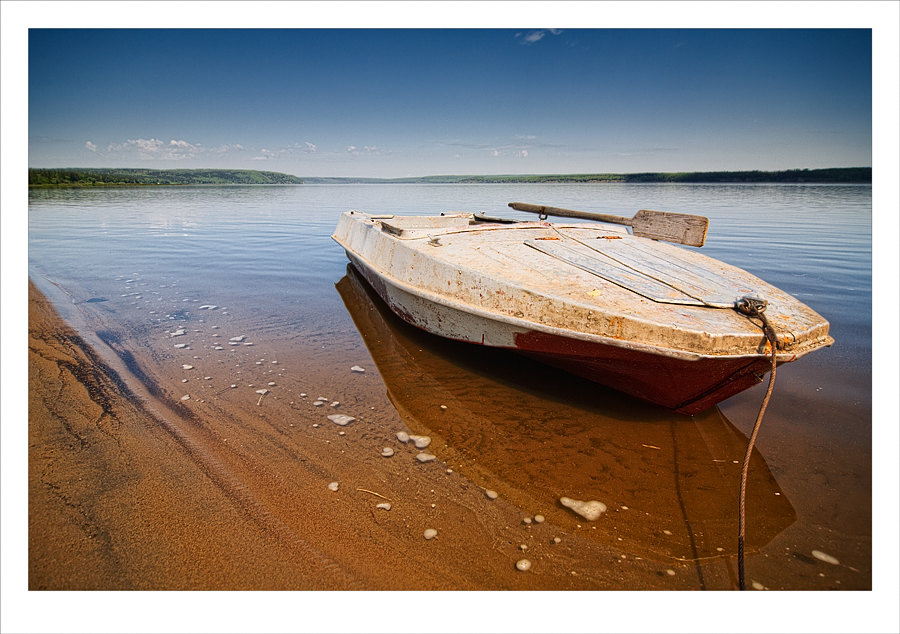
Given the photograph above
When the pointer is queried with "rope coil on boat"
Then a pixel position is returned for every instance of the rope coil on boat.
(753, 307)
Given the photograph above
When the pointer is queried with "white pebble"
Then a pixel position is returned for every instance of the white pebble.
(384, 505)
(402, 436)
(262, 391)
(181, 345)
(187, 367)
(420, 441)
(271, 383)
(341, 419)
(758, 586)
(186, 397)
(335, 403)
(523, 565)
(387, 452)
(828, 559)
(356, 368)
(333, 486)
(590, 510)
(430, 533)
(184, 380)
(539, 519)
(425, 457)
(491, 494)
(556, 540)
(318, 404)
(670, 572)
(526, 520)
(239, 338)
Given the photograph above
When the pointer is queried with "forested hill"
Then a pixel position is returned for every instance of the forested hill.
(89, 177)
(76, 177)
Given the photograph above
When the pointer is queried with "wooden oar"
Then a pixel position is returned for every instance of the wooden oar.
(658, 225)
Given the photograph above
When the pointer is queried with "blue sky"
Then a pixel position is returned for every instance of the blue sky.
(400, 102)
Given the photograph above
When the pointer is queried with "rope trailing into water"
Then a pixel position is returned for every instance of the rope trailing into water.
(753, 307)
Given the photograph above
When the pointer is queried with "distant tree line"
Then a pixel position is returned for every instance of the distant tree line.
(830, 175)
(76, 177)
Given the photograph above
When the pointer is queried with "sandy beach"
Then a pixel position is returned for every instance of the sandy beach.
(126, 494)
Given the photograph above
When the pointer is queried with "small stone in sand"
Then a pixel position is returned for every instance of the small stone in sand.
(420, 441)
(262, 391)
(590, 510)
(333, 486)
(387, 452)
(402, 436)
(341, 419)
(425, 457)
(491, 494)
(556, 540)
(335, 403)
(538, 519)
(430, 533)
(271, 383)
(523, 565)
(384, 505)
(187, 367)
(239, 338)
(318, 404)
(356, 368)
(186, 397)
(828, 559)
(181, 345)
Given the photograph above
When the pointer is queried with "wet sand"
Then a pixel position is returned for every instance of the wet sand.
(131, 487)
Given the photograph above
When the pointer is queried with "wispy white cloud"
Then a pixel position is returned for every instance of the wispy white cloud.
(536, 36)
(366, 149)
(175, 149)
(90, 147)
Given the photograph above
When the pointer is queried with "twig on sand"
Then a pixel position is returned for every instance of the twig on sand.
(373, 493)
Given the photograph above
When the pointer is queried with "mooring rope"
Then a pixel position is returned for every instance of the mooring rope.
(753, 307)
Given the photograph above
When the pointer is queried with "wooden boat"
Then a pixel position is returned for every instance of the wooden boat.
(647, 318)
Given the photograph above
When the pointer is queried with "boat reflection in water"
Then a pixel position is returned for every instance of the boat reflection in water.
(534, 434)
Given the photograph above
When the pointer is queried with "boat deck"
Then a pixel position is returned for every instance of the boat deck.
(595, 280)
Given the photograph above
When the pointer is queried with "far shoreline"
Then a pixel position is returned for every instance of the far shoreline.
(51, 178)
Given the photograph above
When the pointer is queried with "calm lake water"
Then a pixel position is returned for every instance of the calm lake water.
(149, 259)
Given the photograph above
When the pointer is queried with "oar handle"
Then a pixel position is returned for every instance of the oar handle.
(569, 213)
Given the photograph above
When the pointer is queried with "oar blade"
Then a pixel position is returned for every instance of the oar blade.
(670, 227)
